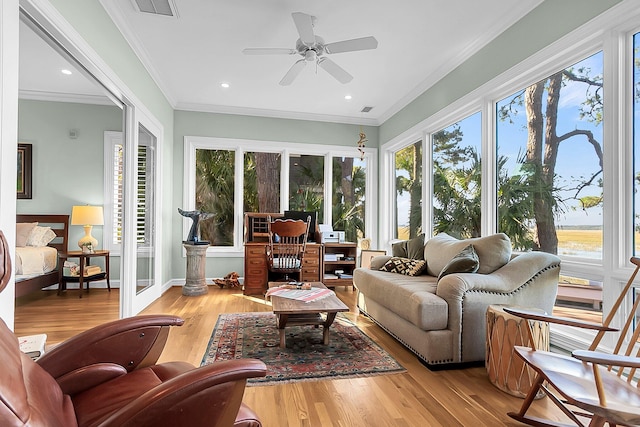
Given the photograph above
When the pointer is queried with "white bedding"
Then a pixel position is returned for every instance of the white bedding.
(32, 260)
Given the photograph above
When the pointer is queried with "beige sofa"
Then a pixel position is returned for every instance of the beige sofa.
(443, 320)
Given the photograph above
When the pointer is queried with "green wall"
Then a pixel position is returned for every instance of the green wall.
(90, 20)
(545, 24)
(188, 123)
(67, 171)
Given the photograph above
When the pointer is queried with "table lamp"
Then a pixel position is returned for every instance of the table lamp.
(88, 216)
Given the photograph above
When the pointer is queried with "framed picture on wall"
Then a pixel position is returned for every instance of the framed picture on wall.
(24, 171)
(367, 255)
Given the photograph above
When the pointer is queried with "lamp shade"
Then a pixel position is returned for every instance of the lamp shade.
(87, 215)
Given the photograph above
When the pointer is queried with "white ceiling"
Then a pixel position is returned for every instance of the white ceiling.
(419, 41)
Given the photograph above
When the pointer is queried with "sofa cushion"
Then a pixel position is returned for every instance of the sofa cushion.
(493, 252)
(465, 262)
(411, 297)
(406, 266)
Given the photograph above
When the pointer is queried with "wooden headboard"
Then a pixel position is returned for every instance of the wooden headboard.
(58, 223)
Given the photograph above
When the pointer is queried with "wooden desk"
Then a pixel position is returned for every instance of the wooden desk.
(256, 272)
(81, 279)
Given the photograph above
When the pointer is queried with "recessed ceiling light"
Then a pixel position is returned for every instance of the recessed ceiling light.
(224, 85)
(348, 97)
(67, 72)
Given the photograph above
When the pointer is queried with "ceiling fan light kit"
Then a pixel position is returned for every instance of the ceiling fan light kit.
(312, 48)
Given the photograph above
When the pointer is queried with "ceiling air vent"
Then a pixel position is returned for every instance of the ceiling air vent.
(156, 7)
(366, 109)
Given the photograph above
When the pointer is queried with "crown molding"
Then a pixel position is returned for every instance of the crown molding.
(518, 11)
(116, 14)
(293, 115)
(36, 95)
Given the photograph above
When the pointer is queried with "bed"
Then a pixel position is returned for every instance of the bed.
(49, 273)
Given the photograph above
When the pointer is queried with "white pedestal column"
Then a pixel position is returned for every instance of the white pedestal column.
(195, 281)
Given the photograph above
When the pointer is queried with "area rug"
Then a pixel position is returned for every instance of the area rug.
(350, 353)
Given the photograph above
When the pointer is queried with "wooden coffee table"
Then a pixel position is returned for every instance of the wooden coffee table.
(290, 312)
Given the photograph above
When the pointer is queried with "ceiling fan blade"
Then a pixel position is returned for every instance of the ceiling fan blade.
(363, 43)
(335, 70)
(304, 24)
(268, 51)
(293, 72)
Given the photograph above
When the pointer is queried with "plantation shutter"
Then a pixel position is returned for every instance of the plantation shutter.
(118, 166)
(143, 234)
(142, 209)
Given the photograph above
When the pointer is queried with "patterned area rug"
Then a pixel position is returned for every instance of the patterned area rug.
(350, 352)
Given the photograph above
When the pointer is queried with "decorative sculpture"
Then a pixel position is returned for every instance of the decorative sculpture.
(361, 143)
(194, 233)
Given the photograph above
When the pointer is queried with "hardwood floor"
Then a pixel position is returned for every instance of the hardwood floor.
(419, 397)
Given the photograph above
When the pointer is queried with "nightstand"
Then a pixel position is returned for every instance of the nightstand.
(84, 260)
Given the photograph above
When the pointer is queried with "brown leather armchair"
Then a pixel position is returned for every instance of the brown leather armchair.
(108, 376)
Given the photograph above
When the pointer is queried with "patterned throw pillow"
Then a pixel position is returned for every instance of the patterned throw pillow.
(465, 262)
(406, 266)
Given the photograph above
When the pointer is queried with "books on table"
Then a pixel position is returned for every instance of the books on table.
(33, 345)
(91, 270)
(306, 295)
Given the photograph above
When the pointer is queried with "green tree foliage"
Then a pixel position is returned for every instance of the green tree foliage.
(456, 184)
(409, 160)
(215, 194)
(348, 183)
(538, 177)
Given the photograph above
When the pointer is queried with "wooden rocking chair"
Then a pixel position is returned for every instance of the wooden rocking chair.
(590, 385)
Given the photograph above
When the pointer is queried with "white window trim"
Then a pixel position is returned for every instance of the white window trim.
(610, 32)
(111, 139)
(240, 146)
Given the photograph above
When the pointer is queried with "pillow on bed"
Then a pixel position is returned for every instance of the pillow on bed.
(23, 229)
(40, 236)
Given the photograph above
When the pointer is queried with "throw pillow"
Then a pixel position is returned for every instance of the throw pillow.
(406, 266)
(415, 247)
(40, 236)
(465, 262)
(412, 248)
(399, 249)
(23, 229)
(493, 251)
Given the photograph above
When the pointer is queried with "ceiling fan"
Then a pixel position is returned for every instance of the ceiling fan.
(312, 48)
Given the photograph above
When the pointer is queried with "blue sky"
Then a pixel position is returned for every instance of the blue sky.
(576, 157)
(576, 160)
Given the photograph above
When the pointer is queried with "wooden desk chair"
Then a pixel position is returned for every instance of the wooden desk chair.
(287, 243)
(603, 387)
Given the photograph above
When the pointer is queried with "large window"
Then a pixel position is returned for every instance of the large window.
(408, 191)
(262, 182)
(348, 207)
(457, 178)
(229, 177)
(306, 184)
(550, 162)
(215, 192)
